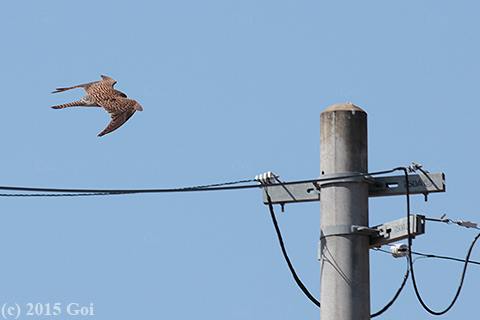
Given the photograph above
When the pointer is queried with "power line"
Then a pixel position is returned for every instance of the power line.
(285, 255)
(427, 255)
(437, 313)
(390, 303)
(67, 192)
(422, 255)
(61, 192)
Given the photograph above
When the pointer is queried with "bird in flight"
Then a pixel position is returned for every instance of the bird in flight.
(101, 94)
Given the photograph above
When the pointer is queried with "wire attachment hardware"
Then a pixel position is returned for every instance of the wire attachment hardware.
(399, 250)
(267, 178)
(461, 223)
(416, 166)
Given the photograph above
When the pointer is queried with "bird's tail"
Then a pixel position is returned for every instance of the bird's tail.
(78, 103)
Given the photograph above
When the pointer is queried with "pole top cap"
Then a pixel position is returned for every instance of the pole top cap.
(344, 107)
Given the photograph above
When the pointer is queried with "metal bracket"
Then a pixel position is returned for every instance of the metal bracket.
(281, 193)
(397, 230)
(382, 234)
(418, 184)
(381, 186)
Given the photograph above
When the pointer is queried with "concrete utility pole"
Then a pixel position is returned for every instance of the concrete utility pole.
(345, 278)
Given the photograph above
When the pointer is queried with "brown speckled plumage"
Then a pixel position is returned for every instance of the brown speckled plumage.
(101, 94)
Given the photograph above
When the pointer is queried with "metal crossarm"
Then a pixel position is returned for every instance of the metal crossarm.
(378, 187)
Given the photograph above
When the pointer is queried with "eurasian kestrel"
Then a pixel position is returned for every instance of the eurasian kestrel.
(102, 94)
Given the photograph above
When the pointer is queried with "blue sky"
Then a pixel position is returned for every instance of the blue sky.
(229, 90)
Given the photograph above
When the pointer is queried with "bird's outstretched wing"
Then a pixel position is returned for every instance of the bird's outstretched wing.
(106, 82)
(85, 87)
(120, 110)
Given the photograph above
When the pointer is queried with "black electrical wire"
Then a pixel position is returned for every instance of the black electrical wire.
(94, 192)
(428, 255)
(388, 305)
(59, 192)
(285, 255)
(437, 313)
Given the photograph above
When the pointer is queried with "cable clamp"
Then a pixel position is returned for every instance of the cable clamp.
(329, 231)
(343, 177)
